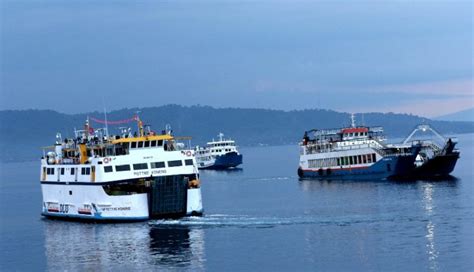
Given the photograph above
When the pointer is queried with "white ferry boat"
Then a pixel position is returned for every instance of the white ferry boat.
(119, 178)
(220, 154)
(356, 152)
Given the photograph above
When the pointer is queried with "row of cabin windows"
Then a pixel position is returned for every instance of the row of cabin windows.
(359, 159)
(143, 166)
(223, 144)
(319, 163)
(143, 144)
(356, 134)
(220, 150)
(348, 160)
(84, 171)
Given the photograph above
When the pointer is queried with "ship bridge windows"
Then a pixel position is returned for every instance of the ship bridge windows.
(175, 163)
(146, 144)
(140, 166)
(188, 162)
(123, 167)
(169, 145)
(121, 149)
(108, 169)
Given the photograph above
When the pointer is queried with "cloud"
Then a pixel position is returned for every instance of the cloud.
(427, 107)
(461, 87)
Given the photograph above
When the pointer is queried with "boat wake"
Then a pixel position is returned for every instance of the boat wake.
(244, 221)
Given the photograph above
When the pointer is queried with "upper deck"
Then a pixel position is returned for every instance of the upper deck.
(95, 157)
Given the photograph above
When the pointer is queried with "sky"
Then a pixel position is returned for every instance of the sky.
(353, 56)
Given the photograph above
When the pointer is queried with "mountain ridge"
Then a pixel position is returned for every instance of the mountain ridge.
(249, 127)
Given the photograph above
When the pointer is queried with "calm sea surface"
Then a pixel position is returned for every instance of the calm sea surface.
(259, 218)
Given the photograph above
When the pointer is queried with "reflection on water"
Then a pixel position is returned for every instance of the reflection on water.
(428, 190)
(177, 247)
(314, 185)
(79, 246)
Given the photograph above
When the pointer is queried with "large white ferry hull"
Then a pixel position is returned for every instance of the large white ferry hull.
(91, 202)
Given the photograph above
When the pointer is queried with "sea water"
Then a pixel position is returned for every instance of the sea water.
(259, 218)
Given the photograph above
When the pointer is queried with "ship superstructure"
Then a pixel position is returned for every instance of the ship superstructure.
(355, 152)
(122, 177)
(220, 154)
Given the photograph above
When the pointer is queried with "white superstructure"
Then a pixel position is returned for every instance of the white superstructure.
(125, 177)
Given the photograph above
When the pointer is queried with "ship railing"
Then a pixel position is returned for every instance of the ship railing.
(313, 149)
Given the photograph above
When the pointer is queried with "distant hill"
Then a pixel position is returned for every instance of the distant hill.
(465, 115)
(23, 132)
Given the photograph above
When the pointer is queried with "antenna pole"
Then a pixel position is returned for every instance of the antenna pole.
(106, 124)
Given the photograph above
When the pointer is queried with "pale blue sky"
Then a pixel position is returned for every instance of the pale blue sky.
(401, 56)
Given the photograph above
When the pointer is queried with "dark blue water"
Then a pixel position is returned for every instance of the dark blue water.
(259, 218)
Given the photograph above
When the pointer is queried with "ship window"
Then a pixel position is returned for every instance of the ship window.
(72, 171)
(153, 143)
(88, 171)
(147, 143)
(133, 145)
(369, 158)
(350, 160)
(355, 160)
(123, 167)
(108, 169)
(373, 157)
(360, 159)
(48, 171)
(188, 162)
(62, 171)
(365, 158)
(140, 166)
(140, 144)
(160, 164)
(175, 163)
(338, 161)
(160, 142)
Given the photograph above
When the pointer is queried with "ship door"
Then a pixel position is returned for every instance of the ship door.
(92, 173)
(168, 197)
(44, 174)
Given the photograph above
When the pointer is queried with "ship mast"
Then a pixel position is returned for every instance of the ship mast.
(353, 124)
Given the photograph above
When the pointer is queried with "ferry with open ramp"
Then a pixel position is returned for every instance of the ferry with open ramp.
(355, 152)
